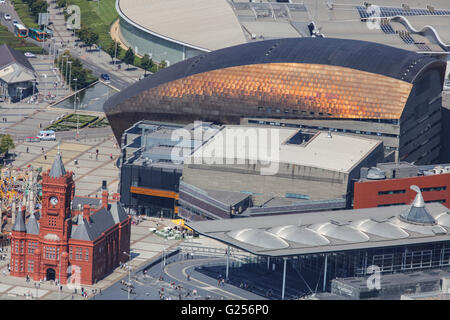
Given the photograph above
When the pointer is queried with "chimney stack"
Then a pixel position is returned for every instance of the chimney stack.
(105, 195)
(86, 211)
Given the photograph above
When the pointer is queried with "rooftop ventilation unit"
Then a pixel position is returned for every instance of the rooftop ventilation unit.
(430, 8)
(375, 173)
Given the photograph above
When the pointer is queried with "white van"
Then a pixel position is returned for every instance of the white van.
(47, 135)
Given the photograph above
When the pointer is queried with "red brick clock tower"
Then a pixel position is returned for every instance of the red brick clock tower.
(55, 222)
(88, 243)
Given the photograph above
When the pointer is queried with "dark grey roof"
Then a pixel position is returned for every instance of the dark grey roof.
(32, 225)
(19, 224)
(57, 169)
(8, 55)
(93, 202)
(83, 231)
(118, 212)
(99, 222)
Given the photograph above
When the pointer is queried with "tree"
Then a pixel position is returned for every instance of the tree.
(113, 50)
(162, 64)
(61, 3)
(129, 57)
(146, 63)
(91, 38)
(6, 144)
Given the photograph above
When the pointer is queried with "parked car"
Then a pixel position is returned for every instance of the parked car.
(7, 16)
(15, 22)
(2, 1)
(29, 55)
(105, 76)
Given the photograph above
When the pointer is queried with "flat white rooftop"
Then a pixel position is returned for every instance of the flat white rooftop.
(337, 153)
(206, 24)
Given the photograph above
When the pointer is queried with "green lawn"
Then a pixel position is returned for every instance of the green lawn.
(24, 13)
(11, 40)
(98, 17)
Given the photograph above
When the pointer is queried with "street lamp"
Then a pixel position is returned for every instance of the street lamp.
(75, 106)
(45, 82)
(37, 285)
(69, 80)
(61, 62)
(129, 273)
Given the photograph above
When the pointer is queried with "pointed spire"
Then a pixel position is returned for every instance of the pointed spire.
(19, 224)
(32, 225)
(57, 169)
(418, 200)
(417, 213)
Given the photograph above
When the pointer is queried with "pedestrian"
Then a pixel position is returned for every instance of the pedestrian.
(110, 156)
(28, 149)
(42, 150)
(45, 156)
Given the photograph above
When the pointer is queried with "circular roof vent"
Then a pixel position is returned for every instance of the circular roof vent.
(375, 174)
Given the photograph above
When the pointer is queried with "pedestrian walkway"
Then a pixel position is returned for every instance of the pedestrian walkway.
(96, 58)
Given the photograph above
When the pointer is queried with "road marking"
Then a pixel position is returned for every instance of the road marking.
(205, 286)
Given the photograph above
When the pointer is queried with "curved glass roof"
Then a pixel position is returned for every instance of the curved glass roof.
(259, 238)
(443, 219)
(300, 235)
(341, 232)
(418, 228)
(381, 229)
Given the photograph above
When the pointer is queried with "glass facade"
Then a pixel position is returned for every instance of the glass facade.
(158, 48)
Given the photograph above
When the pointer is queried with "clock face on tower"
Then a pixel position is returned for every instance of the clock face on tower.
(54, 201)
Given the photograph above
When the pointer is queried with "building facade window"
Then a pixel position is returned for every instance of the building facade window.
(31, 266)
(380, 193)
(87, 254)
(79, 253)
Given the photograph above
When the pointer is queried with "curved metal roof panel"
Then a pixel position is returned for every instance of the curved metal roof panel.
(354, 54)
(381, 229)
(300, 235)
(259, 238)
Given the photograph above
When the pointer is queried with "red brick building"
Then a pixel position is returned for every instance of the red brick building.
(393, 186)
(65, 240)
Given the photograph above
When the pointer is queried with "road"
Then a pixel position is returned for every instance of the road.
(118, 81)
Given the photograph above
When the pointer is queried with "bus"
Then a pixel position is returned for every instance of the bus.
(38, 35)
(20, 31)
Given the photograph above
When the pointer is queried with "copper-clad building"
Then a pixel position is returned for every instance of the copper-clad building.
(388, 93)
